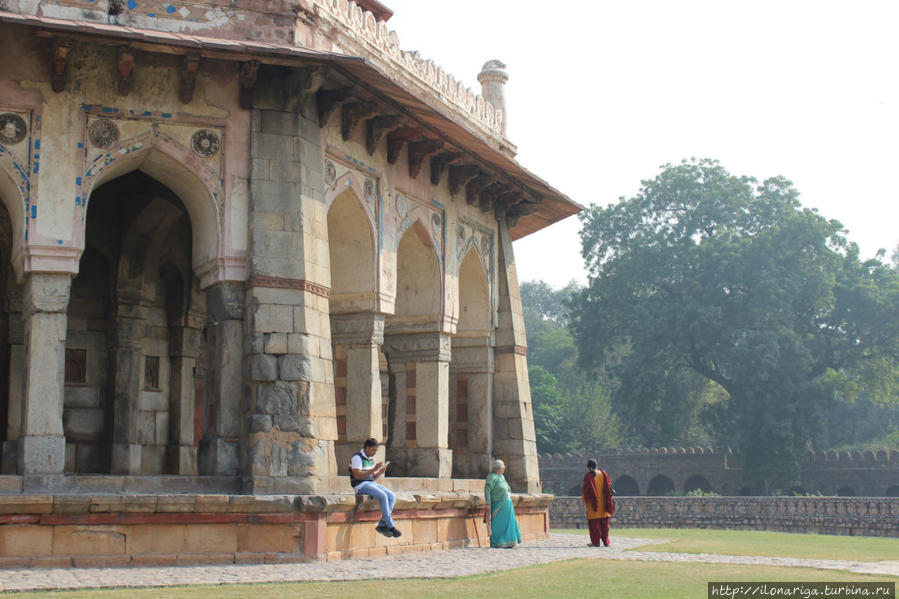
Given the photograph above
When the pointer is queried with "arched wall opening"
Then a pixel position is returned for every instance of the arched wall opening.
(356, 329)
(418, 380)
(660, 485)
(135, 348)
(626, 485)
(10, 399)
(471, 373)
(697, 482)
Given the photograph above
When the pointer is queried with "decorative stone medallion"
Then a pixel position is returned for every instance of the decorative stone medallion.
(370, 191)
(12, 128)
(103, 133)
(401, 207)
(205, 143)
(330, 173)
(436, 224)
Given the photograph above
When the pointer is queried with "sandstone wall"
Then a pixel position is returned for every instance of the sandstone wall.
(855, 516)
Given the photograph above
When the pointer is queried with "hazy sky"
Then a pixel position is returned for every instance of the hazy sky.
(602, 93)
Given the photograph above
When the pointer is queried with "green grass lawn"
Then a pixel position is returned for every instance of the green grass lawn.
(561, 580)
(750, 542)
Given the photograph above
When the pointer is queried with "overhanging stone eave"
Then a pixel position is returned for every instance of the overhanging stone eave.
(426, 109)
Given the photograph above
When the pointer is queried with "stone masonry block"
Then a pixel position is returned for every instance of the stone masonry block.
(278, 398)
(260, 423)
(280, 123)
(276, 344)
(263, 367)
(293, 367)
(268, 318)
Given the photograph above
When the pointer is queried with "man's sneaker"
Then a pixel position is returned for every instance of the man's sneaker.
(384, 530)
(395, 532)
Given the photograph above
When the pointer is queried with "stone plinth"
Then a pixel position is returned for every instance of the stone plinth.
(109, 530)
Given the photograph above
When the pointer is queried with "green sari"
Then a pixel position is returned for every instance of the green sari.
(503, 527)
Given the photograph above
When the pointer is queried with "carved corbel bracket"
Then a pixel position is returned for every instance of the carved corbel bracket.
(59, 63)
(376, 127)
(474, 187)
(460, 175)
(487, 196)
(506, 200)
(125, 68)
(440, 162)
(419, 150)
(525, 207)
(329, 100)
(190, 68)
(396, 139)
(246, 78)
(350, 115)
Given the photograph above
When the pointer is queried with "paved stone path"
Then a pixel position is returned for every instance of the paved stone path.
(438, 564)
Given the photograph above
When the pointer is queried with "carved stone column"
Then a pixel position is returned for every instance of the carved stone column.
(42, 445)
(185, 346)
(126, 353)
(220, 447)
(360, 336)
(419, 437)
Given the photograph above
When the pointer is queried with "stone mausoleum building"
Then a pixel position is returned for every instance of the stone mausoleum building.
(236, 240)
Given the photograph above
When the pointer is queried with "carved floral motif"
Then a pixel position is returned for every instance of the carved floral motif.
(12, 128)
(204, 143)
(103, 133)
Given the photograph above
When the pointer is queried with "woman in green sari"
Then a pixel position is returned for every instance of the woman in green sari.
(503, 527)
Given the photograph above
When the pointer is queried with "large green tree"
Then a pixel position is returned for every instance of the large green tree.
(708, 279)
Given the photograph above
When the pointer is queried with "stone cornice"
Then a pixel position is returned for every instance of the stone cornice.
(284, 283)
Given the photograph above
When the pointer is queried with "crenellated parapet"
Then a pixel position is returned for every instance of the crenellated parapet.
(372, 40)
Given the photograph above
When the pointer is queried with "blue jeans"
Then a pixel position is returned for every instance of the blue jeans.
(384, 496)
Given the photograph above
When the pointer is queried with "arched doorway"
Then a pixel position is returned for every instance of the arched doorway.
(135, 346)
(471, 372)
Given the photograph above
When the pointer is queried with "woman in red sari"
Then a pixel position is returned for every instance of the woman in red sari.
(597, 496)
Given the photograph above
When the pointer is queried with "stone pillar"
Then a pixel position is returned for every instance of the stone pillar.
(42, 445)
(514, 439)
(220, 446)
(290, 384)
(362, 335)
(185, 344)
(126, 354)
(493, 79)
(419, 443)
(471, 388)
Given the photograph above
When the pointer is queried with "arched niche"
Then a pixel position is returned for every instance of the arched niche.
(474, 297)
(660, 485)
(186, 175)
(351, 249)
(419, 289)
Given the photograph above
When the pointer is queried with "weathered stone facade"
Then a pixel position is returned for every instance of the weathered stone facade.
(664, 471)
(861, 516)
(238, 242)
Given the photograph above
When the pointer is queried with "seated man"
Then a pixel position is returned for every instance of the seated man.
(363, 472)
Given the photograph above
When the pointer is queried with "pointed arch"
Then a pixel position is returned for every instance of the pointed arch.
(14, 193)
(351, 250)
(179, 169)
(474, 296)
(419, 289)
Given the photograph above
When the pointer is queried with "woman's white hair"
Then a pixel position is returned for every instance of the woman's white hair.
(497, 464)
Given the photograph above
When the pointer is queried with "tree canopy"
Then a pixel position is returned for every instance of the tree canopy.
(716, 296)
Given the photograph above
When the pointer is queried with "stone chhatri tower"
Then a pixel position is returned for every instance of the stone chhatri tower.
(237, 240)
